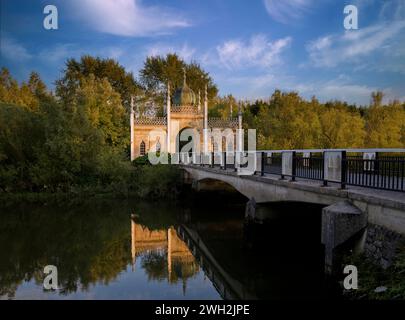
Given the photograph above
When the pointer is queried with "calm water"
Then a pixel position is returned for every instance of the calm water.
(141, 250)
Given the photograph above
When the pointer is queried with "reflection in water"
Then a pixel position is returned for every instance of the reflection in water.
(163, 254)
(100, 254)
(197, 251)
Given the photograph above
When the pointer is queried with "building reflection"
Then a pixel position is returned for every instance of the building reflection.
(163, 254)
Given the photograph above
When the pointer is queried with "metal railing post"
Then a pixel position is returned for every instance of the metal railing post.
(234, 163)
(224, 160)
(282, 161)
(262, 164)
(325, 182)
(212, 160)
(294, 165)
(344, 170)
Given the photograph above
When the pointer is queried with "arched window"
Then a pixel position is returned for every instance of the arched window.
(158, 146)
(215, 147)
(142, 148)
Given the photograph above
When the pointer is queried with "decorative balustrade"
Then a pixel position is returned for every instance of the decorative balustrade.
(223, 123)
(153, 121)
(185, 109)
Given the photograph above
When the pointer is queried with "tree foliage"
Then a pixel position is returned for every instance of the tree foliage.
(71, 143)
(286, 121)
(79, 137)
(122, 82)
(157, 71)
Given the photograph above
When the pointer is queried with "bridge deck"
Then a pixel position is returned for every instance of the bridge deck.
(392, 198)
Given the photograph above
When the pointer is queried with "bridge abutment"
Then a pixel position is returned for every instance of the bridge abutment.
(340, 222)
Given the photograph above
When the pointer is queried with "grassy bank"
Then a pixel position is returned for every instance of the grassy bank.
(390, 282)
(141, 181)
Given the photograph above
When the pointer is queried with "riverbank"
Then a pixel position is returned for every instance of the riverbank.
(142, 182)
(376, 283)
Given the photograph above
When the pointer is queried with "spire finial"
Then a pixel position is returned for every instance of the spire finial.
(184, 76)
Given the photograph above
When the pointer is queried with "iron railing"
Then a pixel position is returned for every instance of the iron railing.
(385, 173)
(271, 163)
(310, 167)
(371, 168)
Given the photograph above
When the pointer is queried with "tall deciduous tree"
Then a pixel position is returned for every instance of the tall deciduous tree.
(157, 71)
(385, 125)
(341, 129)
(29, 95)
(102, 106)
(122, 81)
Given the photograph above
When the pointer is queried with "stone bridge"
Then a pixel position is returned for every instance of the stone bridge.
(347, 213)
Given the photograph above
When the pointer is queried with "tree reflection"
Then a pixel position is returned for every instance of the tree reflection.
(91, 244)
(155, 265)
(88, 244)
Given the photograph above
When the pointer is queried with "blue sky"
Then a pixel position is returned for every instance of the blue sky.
(250, 47)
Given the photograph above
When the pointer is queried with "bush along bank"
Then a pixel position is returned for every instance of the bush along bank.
(139, 180)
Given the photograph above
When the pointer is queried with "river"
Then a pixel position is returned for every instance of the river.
(199, 248)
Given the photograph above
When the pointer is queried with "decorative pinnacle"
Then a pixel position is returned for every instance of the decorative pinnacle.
(240, 108)
(184, 77)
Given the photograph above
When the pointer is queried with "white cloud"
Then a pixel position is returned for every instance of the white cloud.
(352, 46)
(59, 53)
(13, 50)
(286, 10)
(185, 52)
(345, 92)
(127, 17)
(257, 52)
(393, 10)
(342, 88)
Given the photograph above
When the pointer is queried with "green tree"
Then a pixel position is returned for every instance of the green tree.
(288, 122)
(341, 129)
(27, 95)
(122, 81)
(385, 125)
(157, 71)
(21, 135)
(102, 107)
(224, 107)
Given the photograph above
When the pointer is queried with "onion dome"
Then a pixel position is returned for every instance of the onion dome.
(184, 96)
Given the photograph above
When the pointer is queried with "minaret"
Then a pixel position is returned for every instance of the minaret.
(132, 125)
(169, 254)
(199, 101)
(231, 111)
(206, 120)
(240, 132)
(168, 111)
(133, 244)
(138, 110)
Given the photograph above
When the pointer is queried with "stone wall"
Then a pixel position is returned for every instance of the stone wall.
(382, 244)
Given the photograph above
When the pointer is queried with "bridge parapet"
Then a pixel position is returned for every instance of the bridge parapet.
(347, 211)
(370, 168)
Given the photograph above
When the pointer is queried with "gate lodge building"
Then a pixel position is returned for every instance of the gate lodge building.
(183, 110)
